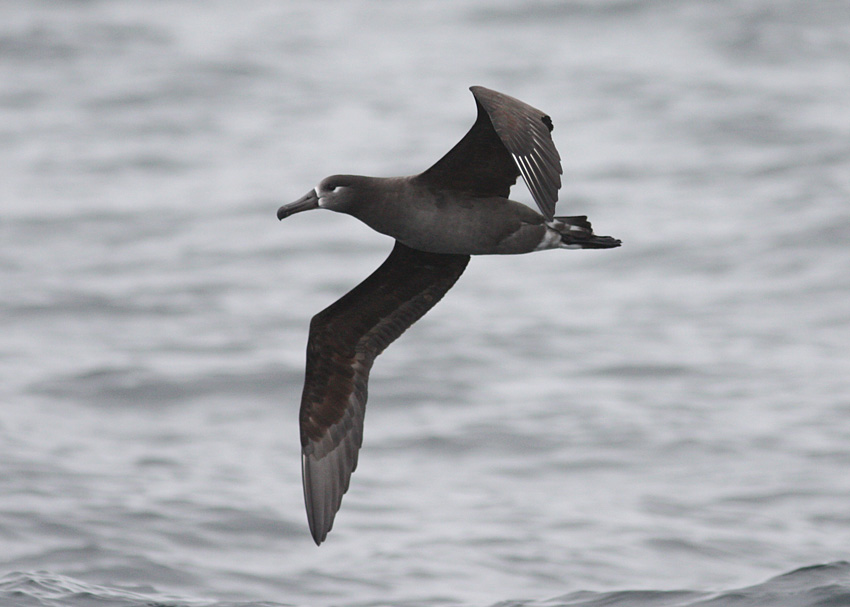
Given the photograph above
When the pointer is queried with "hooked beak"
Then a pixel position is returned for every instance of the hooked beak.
(309, 201)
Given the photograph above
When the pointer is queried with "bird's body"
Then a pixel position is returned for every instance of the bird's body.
(428, 220)
(457, 208)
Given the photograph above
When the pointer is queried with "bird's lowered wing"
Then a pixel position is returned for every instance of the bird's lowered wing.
(344, 340)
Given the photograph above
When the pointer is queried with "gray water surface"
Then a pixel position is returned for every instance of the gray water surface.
(564, 428)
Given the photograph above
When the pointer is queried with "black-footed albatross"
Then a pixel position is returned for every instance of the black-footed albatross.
(457, 208)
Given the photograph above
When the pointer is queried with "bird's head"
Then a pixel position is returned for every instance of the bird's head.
(336, 193)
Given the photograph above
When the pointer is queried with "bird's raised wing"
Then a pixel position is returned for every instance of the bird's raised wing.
(345, 338)
(509, 138)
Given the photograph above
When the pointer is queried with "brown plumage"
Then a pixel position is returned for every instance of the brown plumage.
(440, 217)
(344, 340)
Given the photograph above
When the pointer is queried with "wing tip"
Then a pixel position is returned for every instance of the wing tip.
(317, 536)
(318, 523)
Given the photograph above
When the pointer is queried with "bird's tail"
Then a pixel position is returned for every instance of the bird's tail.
(576, 233)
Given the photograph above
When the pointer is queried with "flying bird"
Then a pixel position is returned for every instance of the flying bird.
(457, 208)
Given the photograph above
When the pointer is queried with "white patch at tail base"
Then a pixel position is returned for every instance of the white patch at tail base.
(551, 239)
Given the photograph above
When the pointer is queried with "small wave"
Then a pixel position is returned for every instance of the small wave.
(132, 385)
(814, 586)
(42, 588)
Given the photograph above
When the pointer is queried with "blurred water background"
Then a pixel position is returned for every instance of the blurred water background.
(667, 423)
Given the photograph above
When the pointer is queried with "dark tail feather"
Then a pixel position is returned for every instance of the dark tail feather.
(577, 232)
(593, 242)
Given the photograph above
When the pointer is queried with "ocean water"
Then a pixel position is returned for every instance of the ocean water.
(663, 424)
